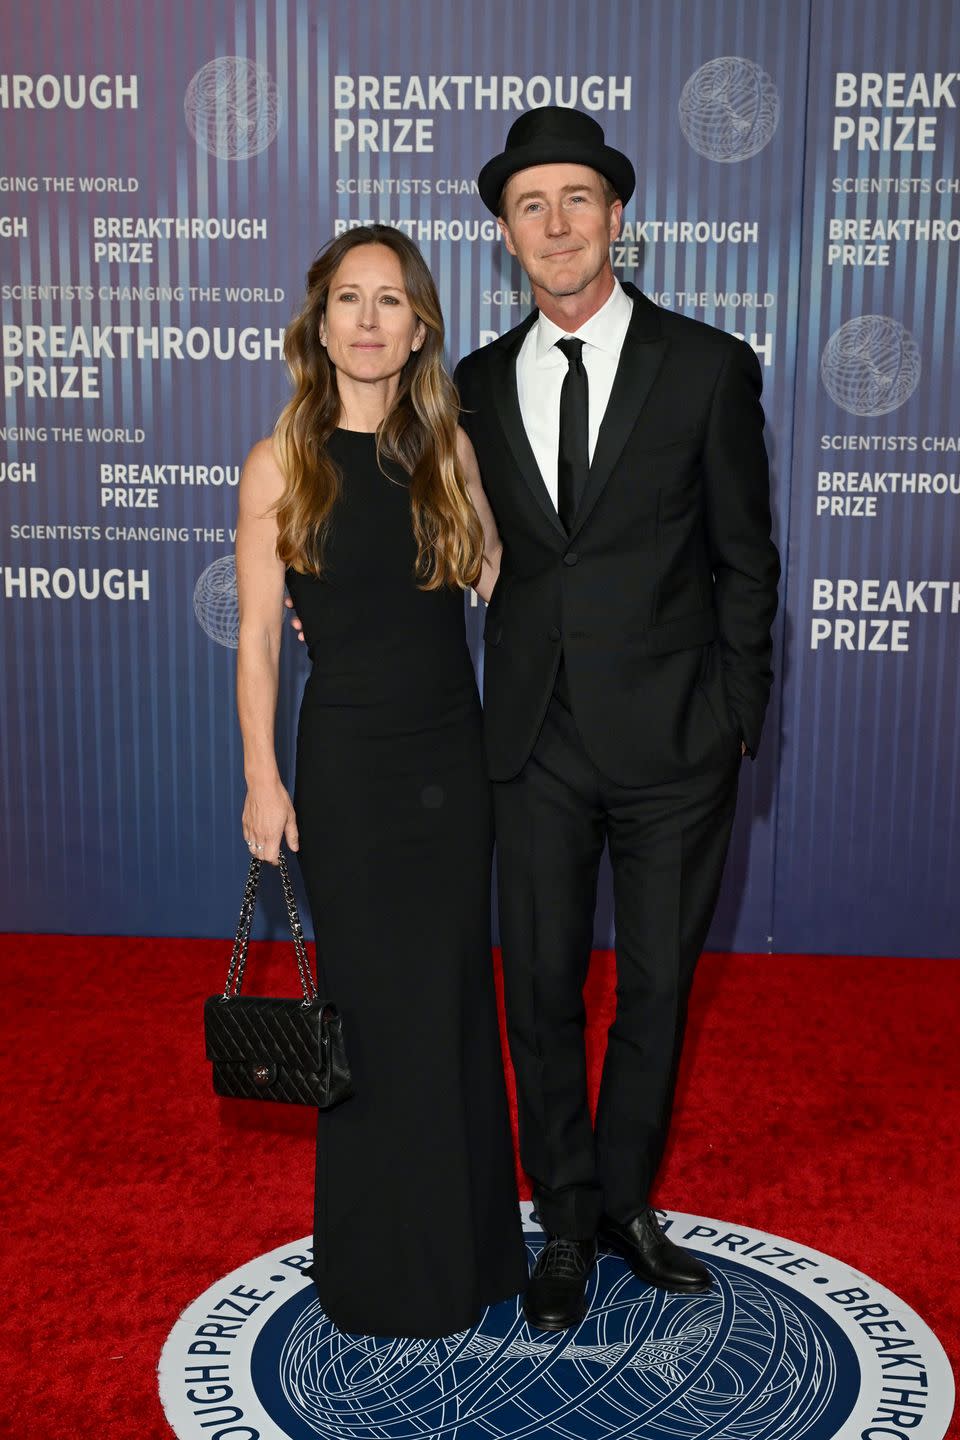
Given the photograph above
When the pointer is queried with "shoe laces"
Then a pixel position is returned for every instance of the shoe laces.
(561, 1258)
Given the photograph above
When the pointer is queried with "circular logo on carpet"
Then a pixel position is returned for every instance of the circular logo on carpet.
(789, 1343)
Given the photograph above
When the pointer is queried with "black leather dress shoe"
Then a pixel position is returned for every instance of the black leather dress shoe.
(556, 1295)
(652, 1257)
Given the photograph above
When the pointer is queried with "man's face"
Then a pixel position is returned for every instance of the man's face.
(559, 225)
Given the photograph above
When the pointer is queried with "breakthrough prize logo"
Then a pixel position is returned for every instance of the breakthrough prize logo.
(232, 107)
(215, 602)
(789, 1344)
(871, 365)
(729, 109)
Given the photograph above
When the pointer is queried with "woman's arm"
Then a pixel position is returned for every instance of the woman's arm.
(492, 547)
(268, 812)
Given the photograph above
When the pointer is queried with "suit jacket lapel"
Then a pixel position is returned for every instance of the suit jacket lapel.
(640, 360)
(507, 410)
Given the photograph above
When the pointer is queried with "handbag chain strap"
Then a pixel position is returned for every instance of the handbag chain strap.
(238, 959)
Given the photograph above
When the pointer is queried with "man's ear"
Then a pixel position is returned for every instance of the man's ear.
(505, 232)
(616, 216)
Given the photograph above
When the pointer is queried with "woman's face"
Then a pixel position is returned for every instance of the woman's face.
(369, 327)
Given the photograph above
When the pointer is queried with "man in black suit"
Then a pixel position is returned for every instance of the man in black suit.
(627, 671)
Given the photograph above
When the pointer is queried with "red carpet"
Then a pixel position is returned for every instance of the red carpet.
(819, 1100)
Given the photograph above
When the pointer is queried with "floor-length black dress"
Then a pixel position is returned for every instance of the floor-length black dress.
(416, 1224)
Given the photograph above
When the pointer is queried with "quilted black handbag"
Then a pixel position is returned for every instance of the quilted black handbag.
(275, 1049)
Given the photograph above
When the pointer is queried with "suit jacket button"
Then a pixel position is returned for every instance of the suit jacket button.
(554, 632)
(571, 557)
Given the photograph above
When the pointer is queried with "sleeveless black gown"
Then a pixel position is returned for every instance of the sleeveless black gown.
(416, 1221)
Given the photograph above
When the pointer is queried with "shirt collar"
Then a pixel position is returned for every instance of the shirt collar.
(605, 330)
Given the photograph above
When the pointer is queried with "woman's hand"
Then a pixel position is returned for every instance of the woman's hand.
(268, 817)
(492, 548)
(295, 620)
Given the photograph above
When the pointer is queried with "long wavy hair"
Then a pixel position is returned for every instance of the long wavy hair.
(418, 433)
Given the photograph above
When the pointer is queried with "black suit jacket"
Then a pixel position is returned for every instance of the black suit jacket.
(663, 595)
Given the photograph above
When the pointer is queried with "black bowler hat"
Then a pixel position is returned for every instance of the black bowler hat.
(550, 135)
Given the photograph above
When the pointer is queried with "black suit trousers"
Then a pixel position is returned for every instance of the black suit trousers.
(668, 843)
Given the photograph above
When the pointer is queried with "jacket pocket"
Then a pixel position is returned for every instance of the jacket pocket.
(681, 633)
(716, 703)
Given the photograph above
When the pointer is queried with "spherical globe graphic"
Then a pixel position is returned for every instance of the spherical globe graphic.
(232, 107)
(749, 1360)
(215, 602)
(871, 365)
(729, 109)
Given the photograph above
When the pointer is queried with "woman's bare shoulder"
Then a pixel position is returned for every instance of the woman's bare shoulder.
(262, 477)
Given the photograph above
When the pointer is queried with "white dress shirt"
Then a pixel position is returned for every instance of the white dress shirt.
(541, 369)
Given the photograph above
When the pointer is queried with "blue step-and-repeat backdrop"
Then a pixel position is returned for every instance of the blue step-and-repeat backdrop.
(168, 173)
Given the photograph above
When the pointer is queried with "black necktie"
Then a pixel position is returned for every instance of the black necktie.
(573, 457)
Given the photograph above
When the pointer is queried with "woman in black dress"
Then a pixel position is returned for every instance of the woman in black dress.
(367, 503)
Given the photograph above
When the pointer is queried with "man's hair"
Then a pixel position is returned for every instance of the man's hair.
(609, 193)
